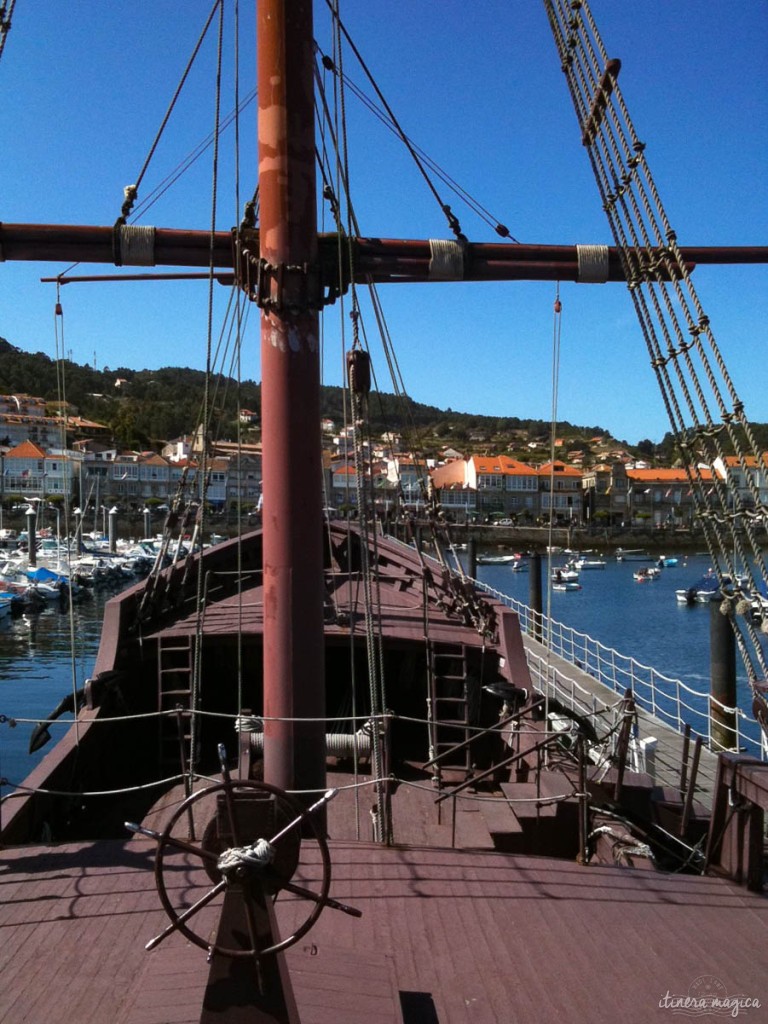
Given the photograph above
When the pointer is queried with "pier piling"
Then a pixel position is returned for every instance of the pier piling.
(471, 558)
(534, 593)
(722, 676)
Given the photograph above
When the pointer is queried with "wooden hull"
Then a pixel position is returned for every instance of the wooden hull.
(141, 693)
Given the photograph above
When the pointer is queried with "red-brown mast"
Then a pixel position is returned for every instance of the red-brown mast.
(294, 679)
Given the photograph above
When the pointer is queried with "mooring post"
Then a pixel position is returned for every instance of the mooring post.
(112, 529)
(471, 558)
(31, 537)
(534, 593)
(722, 678)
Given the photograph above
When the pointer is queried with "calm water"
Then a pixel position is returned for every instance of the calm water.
(638, 619)
(37, 671)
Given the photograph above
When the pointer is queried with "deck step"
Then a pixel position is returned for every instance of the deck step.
(501, 821)
(526, 793)
(472, 832)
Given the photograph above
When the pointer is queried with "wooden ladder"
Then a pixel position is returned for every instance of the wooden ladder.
(175, 664)
(449, 723)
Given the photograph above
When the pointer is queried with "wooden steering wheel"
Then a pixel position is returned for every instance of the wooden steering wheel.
(239, 859)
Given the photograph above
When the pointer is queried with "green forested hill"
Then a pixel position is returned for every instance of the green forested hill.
(159, 404)
(151, 406)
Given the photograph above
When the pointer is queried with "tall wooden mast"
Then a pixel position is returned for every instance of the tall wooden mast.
(294, 679)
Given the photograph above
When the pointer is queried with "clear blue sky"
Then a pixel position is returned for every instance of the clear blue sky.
(478, 86)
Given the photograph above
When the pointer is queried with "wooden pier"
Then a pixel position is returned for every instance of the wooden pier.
(670, 761)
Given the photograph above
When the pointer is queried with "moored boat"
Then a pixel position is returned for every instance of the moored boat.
(585, 562)
(645, 574)
(564, 574)
(633, 555)
(704, 590)
(497, 559)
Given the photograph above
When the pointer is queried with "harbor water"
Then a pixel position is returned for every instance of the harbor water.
(642, 620)
(38, 669)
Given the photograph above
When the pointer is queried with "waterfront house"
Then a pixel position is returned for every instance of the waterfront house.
(662, 497)
(748, 481)
(560, 490)
(31, 472)
(487, 484)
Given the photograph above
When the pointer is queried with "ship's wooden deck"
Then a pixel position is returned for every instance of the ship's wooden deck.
(447, 935)
(401, 614)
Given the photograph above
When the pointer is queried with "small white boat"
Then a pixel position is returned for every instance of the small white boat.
(651, 573)
(633, 555)
(567, 585)
(564, 574)
(588, 563)
(496, 559)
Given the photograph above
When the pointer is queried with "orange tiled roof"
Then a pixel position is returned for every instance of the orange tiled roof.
(667, 476)
(561, 468)
(26, 450)
(750, 460)
(501, 464)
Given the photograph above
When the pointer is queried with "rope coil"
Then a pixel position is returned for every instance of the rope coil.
(446, 260)
(259, 854)
(137, 245)
(593, 263)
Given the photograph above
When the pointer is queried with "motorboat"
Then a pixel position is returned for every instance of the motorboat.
(633, 555)
(565, 574)
(643, 575)
(703, 591)
(584, 562)
(497, 559)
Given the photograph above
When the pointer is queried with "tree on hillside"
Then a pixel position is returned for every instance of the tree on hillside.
(125, 426)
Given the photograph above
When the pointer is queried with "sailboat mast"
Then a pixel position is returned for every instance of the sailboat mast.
(294, 676)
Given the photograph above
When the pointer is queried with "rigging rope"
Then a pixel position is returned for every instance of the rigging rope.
(556, 334)
(58, 321)
(6, 14)
(132, 191)
(195, 696)
(706, 415)
(453, 222)
(473, 203)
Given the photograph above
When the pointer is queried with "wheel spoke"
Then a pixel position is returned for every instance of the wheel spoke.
(189, 912)
(324, 799)
(307, 894)
(178, 844)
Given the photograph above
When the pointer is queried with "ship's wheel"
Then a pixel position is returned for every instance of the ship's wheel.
(250, 850)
